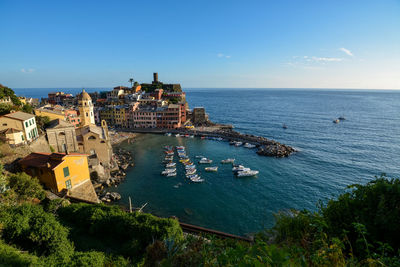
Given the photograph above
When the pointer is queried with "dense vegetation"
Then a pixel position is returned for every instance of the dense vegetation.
(360, 227)
(15, 104)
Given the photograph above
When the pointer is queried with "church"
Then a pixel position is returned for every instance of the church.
(92, 139)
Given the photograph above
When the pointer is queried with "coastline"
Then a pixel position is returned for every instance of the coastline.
(265, 147)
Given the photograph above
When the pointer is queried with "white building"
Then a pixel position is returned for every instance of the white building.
(22, 121)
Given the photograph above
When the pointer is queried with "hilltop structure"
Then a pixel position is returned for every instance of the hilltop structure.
(85, 109)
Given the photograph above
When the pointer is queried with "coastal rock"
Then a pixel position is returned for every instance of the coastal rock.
(115, 196)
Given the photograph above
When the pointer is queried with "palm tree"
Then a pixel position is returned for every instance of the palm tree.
(131, 81)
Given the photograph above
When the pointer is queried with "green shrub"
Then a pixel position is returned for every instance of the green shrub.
(10, 256)
(26, 187)
(133, 231)
(31, 228)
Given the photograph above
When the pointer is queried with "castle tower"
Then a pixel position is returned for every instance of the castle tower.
(155, 77)
(85, 109)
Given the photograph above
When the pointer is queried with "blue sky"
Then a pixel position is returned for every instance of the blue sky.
(288, 44)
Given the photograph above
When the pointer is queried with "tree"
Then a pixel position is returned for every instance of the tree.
(131, 81)
(26, 187)
(27, 108)
(42, 122)
(5, 108)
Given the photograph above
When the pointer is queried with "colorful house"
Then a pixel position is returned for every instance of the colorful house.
(57, 171)
(20, 121)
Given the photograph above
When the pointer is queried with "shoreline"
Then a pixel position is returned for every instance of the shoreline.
(265, 147)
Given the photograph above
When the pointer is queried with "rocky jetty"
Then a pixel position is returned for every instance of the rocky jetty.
(122, 160)
(266, 147)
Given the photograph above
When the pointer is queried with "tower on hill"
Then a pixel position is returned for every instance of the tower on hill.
(85, 109)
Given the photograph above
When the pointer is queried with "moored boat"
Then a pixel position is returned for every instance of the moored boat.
(171, 164)
(211, 169)
(247, 173)
(205, 161)
(228, 161)
(247, 145)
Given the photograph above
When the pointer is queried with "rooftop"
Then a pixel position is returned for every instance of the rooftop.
(46, 160)
(19, 115)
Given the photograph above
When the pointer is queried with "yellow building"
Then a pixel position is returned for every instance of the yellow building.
(57, 171)
(85, 109)
(52, 114)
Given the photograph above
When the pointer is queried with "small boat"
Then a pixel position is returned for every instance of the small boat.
(199, 157)
(190, 176)
(171, 174)
(191, 171)
(183, 160)
(205, 161)
(247, 145)
(192, 136)
(238, 144)
(197, 180)
(180, 147)
(177, 135)
(166, 171)
(227, 161)
(341, 118)
(336, 121)
(247, 173)
(239, 168)
(232, 143)
(211, 169)
(190, 167)
(169, 165)
(284, 126)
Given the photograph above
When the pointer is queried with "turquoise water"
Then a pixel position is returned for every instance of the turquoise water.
(331, 156)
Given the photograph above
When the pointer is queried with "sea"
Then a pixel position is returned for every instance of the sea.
(329, 156)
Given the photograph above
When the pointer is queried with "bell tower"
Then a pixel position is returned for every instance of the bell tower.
(85, 109)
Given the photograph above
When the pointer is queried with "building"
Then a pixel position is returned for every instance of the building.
(5, 100)
(145, 117)
(169, 117)
(58, 112)
(12, 136)
(94, 140)
(21, 121)
(29, 100)
(61, 136)
(85, 109)
(57, 98)
(199, 116)
(57, 171)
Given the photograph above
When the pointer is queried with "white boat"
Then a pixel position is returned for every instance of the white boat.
(171, 174)
(167, 171)
(205, 161)
(192, 136)
(211, 169)
(180, 147)
(240, 168)
(199, 157)
(238, 144)
(189, 172)
(190, 176)
(188, 167)
(336, 121)
(228, 161)
(197, 180)
(167, 134)
(169, 165)
(177, 135)
(219, 139)
(247, 173)
(247, 145)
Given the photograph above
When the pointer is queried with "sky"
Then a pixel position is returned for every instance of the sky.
(201, 43)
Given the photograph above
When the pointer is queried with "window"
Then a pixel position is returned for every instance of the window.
(68, 184)
(66, 172)
(87, 114)
(4, 124)
(26, 124)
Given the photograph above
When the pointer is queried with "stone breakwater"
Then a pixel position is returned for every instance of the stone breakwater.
(265, 147)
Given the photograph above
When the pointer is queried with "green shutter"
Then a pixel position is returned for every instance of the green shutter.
(66, 172)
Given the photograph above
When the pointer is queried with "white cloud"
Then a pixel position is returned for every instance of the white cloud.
(346, 51)
(220, 55)
(327, 59)
(27, 70)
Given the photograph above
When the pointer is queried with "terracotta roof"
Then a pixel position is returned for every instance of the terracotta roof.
(41, 160)
(19, 115)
